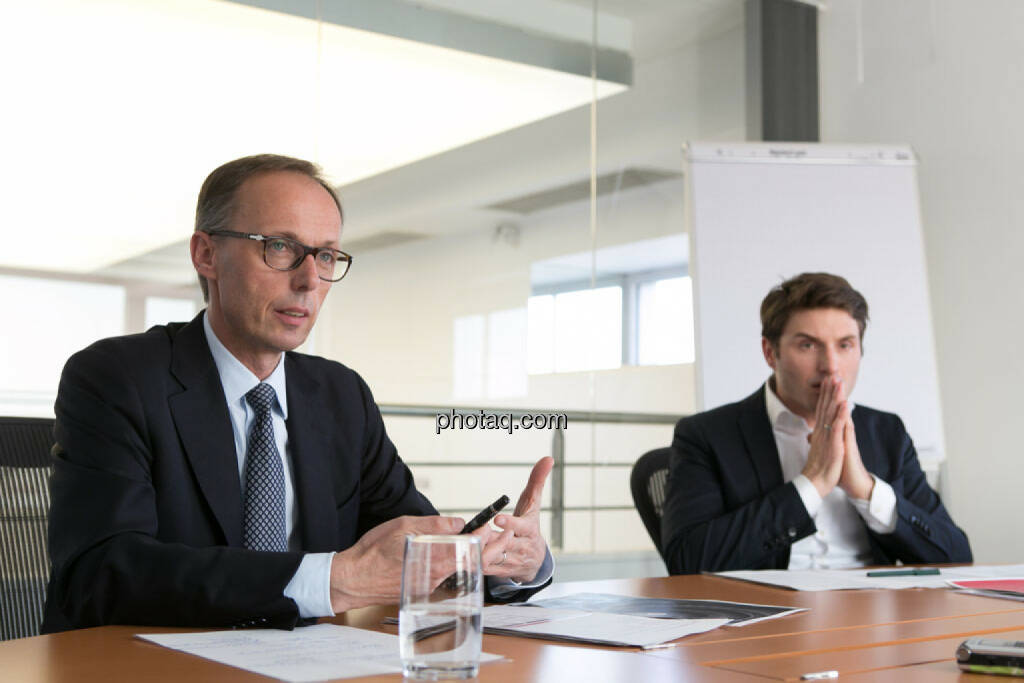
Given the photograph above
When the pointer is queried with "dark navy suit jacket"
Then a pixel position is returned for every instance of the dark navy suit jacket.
(146, 511)
(727, 506)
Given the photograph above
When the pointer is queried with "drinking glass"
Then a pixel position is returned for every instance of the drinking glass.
(439, 622)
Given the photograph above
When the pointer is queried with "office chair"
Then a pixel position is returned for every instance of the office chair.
(24, 508)
(648, 482)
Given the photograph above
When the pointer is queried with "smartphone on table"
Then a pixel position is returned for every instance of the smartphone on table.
(989, 656)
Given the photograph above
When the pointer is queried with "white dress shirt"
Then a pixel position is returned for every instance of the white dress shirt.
(841, 539)
(310, 586)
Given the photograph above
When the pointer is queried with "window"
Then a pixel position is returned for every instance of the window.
(161, 310)
(55, 318)
(506, 353)
(582, 329)
(627, 304)
(468, 357)
(664, 333)
(575, 331)
(490, 353)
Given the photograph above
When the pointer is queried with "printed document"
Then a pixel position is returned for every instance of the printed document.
(845, 579)
(591, 627)
(311, 653)
(738, 613)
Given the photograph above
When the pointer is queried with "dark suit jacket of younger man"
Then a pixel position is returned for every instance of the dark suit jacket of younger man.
(727, 507)
(146, 512)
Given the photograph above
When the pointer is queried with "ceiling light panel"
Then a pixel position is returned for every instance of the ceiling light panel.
(117, 110)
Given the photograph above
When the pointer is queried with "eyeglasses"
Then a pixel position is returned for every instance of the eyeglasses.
(284, 253)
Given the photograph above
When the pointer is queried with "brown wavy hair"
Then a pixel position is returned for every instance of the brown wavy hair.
(807, 291)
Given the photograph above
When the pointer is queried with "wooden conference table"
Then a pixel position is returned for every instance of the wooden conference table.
(871, 635)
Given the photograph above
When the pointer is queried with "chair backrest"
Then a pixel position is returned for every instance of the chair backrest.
(24, 508)
(648, 482)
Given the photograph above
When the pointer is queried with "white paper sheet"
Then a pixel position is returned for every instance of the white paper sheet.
(312, 653)
(845, 579)
(592, 627)
(514, 616)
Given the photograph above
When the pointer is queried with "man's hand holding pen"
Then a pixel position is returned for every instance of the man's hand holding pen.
(518, 550)
(369, 572)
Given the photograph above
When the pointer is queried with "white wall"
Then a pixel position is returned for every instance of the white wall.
(945, 77)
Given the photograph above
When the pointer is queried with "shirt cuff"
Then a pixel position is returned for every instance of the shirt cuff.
(501, 586)
(310, 586)
(878, 512)
(808, 494)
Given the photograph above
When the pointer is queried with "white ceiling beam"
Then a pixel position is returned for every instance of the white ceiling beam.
(458, 31)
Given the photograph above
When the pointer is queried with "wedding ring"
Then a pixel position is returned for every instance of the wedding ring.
(504, 556)
(828, 428)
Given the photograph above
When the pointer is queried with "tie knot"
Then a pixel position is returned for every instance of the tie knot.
(261, 397)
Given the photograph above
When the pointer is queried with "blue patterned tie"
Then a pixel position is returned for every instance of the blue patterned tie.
(264, 524)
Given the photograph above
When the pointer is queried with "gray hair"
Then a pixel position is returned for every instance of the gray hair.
(216, 205)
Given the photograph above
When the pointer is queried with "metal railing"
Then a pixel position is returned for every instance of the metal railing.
(558, 507)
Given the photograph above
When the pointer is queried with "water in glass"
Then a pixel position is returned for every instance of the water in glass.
(440, 628)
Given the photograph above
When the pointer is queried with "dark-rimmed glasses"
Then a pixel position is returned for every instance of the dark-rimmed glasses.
(284, 253)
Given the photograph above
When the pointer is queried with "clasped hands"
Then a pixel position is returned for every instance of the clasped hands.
(834, 459)
(370, 572)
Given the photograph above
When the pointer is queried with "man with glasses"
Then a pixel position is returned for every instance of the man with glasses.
(207, 475)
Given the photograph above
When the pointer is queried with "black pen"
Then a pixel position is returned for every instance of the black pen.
(485, 515)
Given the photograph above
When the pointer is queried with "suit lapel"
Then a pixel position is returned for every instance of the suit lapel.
(200, 415)
(308, 419)
(866, 444)
(759, 440)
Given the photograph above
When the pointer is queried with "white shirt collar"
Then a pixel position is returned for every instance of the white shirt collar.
(772, 403)
(782, 417)
(237, 379)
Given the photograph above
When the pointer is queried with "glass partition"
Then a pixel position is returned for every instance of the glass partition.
(512, 181)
